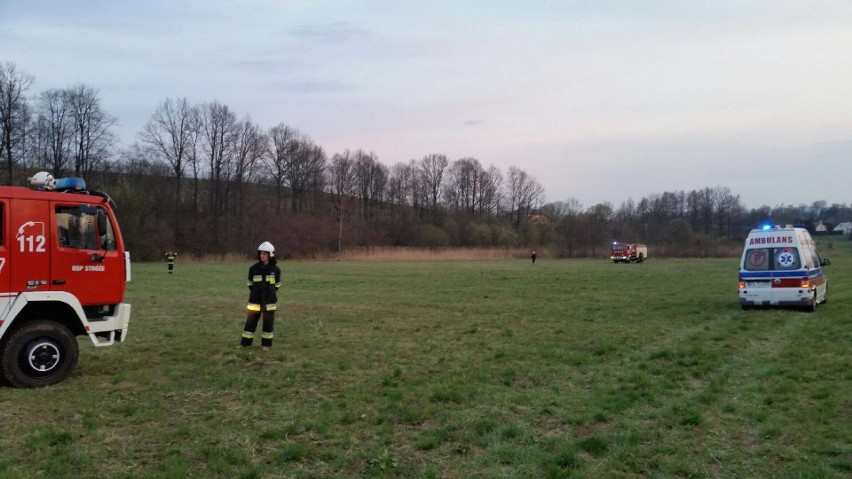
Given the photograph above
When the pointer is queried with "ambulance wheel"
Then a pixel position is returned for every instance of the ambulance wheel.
(39, 353)
(812, 304)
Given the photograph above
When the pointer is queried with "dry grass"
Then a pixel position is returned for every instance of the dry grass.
(393, 253)
(424, 254)
(212, 258)
(385, 253)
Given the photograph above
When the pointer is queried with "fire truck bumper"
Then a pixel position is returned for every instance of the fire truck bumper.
(112, 328)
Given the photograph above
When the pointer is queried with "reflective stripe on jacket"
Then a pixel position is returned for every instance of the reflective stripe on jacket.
(263, 283)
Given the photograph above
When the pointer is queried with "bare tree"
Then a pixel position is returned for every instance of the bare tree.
(91, 139)
(599, 217)
(169, 132)
(489, 191)
(462, 189)
(514, 186)
(283, 140)
(342, 182)
(432, 172)
(251, 144)
(728, 210)
(371, 178)
(401, 179)
(193, 154)
(218, 134)
(524, 193)
(693, 209)
(418, 193)
(624, 220)
(298, 163)
(14, 115)
(38, 148)
(398, 179)
(706, 203)
(54, 127)
(315, 185)
(567, 216)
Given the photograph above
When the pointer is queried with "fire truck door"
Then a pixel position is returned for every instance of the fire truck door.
(84, 263)
(28, 259)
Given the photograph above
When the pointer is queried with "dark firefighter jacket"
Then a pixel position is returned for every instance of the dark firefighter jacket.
(263, 282)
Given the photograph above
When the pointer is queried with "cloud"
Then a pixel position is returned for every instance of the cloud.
(312, 87)
(333, 33)
(579, 95)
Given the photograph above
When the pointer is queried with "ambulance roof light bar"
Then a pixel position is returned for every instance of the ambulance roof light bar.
(770, 226)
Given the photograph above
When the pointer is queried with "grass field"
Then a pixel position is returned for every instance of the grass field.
(452, 369)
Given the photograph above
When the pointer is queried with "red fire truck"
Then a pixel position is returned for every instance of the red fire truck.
(628, 253)
(63, 272)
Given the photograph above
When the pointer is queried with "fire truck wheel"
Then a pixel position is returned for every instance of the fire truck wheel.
(39, 353)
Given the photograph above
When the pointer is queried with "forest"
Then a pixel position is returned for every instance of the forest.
(206, 182)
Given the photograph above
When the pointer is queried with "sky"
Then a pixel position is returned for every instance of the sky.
(600, 101)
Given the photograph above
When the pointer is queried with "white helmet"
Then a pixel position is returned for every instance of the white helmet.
(267, 246)
(43, 179)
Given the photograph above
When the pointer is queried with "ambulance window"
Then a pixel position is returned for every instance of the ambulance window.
(757, 259)
(787, 259)
(816, 262)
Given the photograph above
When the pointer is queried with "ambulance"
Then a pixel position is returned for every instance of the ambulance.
(780, 266)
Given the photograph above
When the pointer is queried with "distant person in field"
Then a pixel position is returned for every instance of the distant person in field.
(264, 279)
(533, 257)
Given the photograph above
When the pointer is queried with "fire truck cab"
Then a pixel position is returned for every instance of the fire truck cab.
(63, 272)
(780, 266)
(628, 253)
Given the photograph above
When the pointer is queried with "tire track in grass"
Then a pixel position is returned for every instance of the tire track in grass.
(650, 406)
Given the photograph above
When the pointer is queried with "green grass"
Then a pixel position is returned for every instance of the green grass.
(484, 369)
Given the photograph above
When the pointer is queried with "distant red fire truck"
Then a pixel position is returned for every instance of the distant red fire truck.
(628, 253)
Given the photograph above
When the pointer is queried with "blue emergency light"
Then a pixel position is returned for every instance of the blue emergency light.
(71, 183)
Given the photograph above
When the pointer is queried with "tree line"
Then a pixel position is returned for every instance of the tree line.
(205, 181)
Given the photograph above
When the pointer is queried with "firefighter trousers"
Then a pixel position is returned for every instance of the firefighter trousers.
(251, 327)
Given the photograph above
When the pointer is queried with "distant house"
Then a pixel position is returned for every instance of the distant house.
(821, 227)
(846, 228)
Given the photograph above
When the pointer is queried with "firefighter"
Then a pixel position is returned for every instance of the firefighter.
(264, 279)
(532, 256)
(170, 258)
